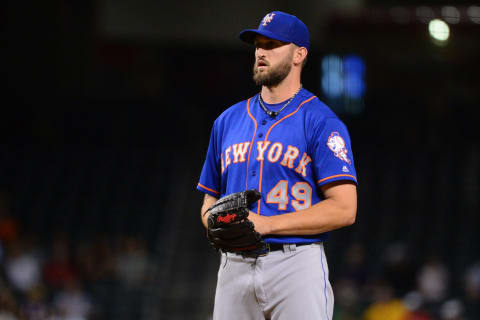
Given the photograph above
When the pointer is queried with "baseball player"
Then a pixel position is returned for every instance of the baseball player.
(288, 145)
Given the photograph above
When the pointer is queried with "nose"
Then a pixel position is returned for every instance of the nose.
(260, 53)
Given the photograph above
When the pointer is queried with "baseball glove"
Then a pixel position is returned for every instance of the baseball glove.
(229, 229)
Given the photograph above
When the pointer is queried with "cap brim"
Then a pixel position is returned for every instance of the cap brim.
(248, 35)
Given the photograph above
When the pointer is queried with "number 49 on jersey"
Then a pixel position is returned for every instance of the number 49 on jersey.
(301, 193)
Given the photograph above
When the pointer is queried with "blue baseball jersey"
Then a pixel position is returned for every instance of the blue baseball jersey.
(287, 158)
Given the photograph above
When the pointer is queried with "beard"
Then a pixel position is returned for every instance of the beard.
(275, 75)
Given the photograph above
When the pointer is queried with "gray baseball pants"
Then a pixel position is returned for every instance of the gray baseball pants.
(287, 284)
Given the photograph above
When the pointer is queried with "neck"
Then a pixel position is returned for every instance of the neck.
(281, 92)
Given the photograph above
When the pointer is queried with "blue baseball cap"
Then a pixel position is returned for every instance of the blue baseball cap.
(280, 26)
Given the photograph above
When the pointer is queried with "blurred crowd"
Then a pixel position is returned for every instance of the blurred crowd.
(397, 288)
(55, 277)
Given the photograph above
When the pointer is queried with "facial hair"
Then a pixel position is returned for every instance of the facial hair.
(275, 75)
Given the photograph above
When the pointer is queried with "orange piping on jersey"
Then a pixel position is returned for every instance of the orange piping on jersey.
(251, 142)
(201, 185)
(336, 176)
(265, 140)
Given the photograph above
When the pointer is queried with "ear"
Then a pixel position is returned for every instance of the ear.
(299, 55)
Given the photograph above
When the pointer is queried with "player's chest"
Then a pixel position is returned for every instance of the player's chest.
(268, 140)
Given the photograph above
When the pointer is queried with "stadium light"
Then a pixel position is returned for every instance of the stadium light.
(439, 30)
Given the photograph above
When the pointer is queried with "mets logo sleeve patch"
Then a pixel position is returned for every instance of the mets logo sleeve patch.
(333, 154)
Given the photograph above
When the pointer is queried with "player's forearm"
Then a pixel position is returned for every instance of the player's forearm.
(208, 201)
(204, 216)
(323, 217)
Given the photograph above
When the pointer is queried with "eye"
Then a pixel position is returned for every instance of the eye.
(271, 45)
(267, 45)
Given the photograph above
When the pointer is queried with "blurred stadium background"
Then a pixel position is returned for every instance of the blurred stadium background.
(105, 121)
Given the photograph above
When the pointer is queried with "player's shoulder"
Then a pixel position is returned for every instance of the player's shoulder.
(315, 108)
